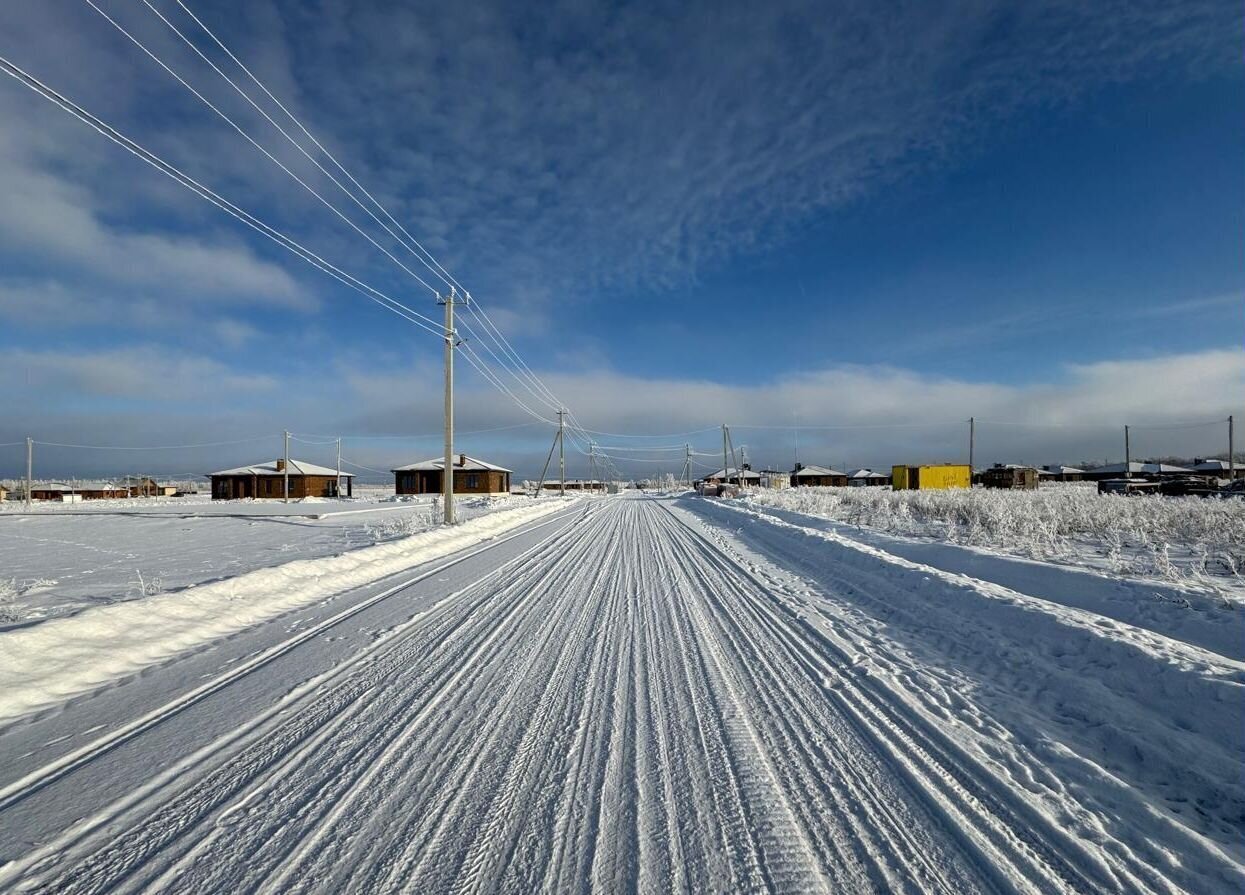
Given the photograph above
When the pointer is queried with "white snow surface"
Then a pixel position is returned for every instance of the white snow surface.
(46, 663)
(656, 694)
(62, 558)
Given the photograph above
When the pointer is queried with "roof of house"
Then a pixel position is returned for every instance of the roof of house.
(1061, 470)
(867, 474)
(1212, 466)
(436, 464)
(297, 467)
(732, 473)
(76, 486)
(1137, 467)
(816, 471)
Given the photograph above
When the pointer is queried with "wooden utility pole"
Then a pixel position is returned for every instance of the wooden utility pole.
(687, 464)
(1128, 456)
(285, 468)
(562, 451)
(30, 465)
(447, 470)
(972, 444)
(339, 468)
(725, 465)
(1231, 454)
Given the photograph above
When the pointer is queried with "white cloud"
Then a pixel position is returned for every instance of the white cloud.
(887, 414)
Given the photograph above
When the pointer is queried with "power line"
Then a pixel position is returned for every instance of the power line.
(444, 275)
(174, 173)
(161, 447)
(414, 247)
(254, 143)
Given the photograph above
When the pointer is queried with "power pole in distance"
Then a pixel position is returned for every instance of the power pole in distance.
(972, 443)
(451, 342)
(30, 465)
(1128, 456)
(562, 451)
(1231, 455)
(339, 468)
(285, 467)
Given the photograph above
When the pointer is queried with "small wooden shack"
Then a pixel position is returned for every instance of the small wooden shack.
(818, 477)
(4, 493)
(1010, 475)
(267, 481)
(931, 477)
(471, 476)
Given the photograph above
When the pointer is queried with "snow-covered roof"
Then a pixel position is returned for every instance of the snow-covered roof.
(732, 473)
(1212, 466)
(866, 474)
(816, 471)
(462, 461)
(297, 467)
(1137, 467)
(76, 486)
(1061, 470)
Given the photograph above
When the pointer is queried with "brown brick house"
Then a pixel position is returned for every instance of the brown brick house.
(817, 477)
(267, 480)
(471, 476)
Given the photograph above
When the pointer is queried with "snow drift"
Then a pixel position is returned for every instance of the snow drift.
(48, 663)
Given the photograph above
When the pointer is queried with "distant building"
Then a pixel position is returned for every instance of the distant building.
(471, 476)
(817, 476)
(1061, 473)
(867, 478)
(1010, 475)
(267, 481)
(1135, 469)
(1217, 468)
(775, 479)
(931, 477)
(4, 493)
(577, 485)
(731, 476)
(143, 487)
(72, 492)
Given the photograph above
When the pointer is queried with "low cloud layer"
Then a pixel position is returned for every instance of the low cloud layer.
(867, 416)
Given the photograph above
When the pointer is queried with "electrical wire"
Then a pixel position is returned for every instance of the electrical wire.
(174, 173)
(444, 274)
(524, 374)
(161, 447)
(246, 136)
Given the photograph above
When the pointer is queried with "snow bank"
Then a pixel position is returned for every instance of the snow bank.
(47, 663)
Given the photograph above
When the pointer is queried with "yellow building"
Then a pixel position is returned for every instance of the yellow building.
(929, 478)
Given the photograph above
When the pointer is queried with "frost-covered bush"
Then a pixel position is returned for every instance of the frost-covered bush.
(1175, 538)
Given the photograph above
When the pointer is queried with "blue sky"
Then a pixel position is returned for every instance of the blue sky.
(679, 214)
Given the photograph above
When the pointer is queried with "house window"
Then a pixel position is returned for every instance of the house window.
(473, 481)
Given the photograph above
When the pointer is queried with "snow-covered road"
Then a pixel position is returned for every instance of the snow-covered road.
(639, 695)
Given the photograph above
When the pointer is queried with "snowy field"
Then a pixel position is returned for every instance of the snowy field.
(1195, 544)
(61, 558)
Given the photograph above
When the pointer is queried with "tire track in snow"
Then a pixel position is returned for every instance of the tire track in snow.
(625, 706)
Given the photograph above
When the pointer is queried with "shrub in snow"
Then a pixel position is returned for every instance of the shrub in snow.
(1174, 538)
